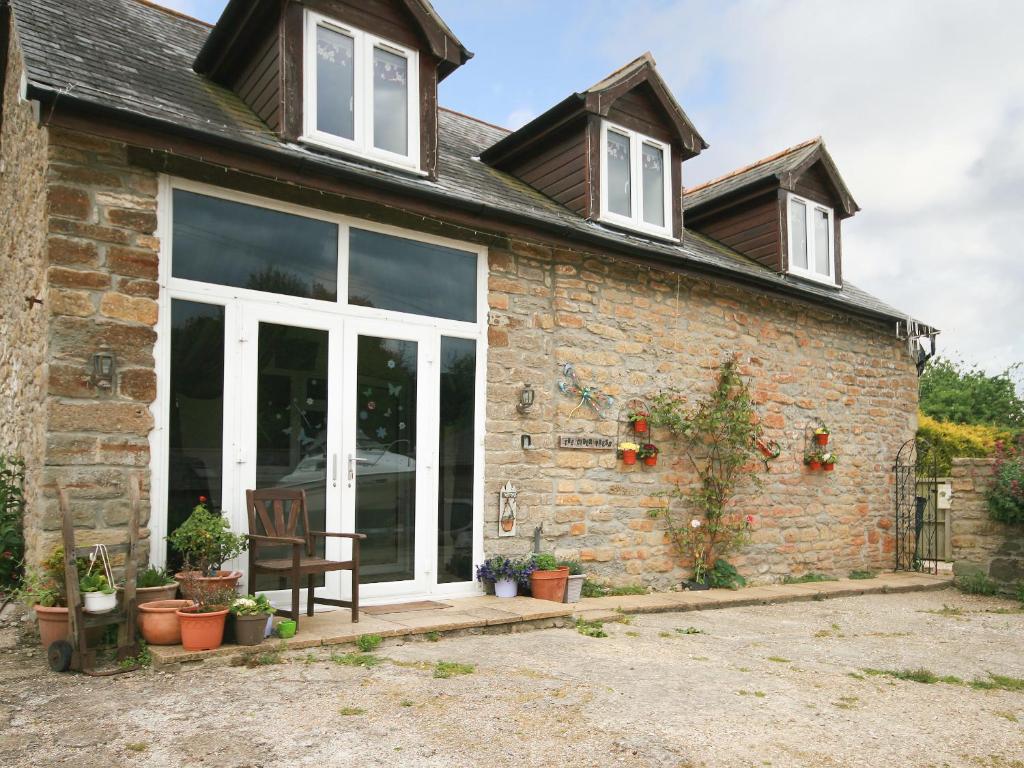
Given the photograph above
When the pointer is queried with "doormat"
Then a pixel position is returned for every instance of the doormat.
(422, 605)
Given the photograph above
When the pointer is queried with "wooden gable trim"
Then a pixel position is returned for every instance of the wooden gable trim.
(789, 179)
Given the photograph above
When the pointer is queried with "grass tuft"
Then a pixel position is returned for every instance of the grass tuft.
(446, 669)
(808, 578)
(368, 643)
(349, 711)
(690, 631)
(779, 659)
(590, 628)
(862, 574)
(356, 659)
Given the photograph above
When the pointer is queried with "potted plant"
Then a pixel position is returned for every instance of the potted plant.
(828, 461)
(574, 584)
(812, 459)
(41, 594)
(821, 435)
(504, 573)
(250, 615)
(159, 622)
(205, 542)
(628, 451)
(548, 579)
(639, 421)
(154, 584)
(649, 453)
(202, 624)
(98, 594)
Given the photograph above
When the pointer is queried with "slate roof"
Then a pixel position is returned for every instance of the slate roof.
(776, 166)
(137, 59)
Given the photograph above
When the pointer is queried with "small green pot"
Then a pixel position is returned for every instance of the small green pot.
(286, 629)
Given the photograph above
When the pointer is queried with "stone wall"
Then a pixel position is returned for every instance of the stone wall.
(102, 297)
(633, 330)
(980, 543)
(23, 324)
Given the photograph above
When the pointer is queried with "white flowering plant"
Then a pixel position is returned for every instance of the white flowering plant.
(252, 606)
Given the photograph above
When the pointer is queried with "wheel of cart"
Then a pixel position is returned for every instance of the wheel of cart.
(75, 653)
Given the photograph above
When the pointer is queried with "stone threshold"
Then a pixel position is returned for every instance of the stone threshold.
(491, 614)
(609, 608)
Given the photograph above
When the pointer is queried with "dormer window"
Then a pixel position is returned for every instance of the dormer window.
(635, 181)
(811, 238)
(361, 93)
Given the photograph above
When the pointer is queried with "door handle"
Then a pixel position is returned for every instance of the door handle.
(352, 461)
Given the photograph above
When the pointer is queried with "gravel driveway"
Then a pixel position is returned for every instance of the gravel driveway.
(761, 686)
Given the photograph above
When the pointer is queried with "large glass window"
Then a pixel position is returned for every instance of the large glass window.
(362, 93)
(246, 246)
(405, 275)
(195, 422)
(810, 240)
(456, 460)
(386, 380)
(635, 181)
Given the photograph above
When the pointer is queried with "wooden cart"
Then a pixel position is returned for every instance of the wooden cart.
(74, 653)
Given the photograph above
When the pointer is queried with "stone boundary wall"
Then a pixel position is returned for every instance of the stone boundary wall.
(23, 325)
(631, 331)
(980, 543)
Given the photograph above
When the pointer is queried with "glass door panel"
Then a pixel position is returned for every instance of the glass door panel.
(385, 462)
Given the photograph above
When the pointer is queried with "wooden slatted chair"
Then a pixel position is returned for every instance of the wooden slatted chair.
(274, 516)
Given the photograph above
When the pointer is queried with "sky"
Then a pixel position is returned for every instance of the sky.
(921, 105)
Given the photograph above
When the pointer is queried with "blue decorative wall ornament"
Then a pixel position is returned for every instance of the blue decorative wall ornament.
(570, 386)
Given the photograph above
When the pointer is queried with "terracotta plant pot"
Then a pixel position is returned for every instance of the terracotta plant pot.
(201, 631)
(821, 439)
(205, 585)
(629, 457)
(159, 622)
(651, 461)
(828, 467)
(549, 585)
(814, 466)
(145, 595)
(640, 426)
(250, 630)
(53, 624)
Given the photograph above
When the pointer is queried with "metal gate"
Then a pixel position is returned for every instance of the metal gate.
(916, 508)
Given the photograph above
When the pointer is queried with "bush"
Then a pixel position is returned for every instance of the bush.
(1006, 496)
(947, 441)
(12, 508)
(725, 576)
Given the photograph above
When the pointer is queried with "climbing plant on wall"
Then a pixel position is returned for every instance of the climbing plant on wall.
(717, 437)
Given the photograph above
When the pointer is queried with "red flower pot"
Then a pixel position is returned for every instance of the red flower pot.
(821, 439)
(828, 467)
(202, 631)
(651, 461)
(629, 457)
(549, 585)
(640, 426)
(814, 466)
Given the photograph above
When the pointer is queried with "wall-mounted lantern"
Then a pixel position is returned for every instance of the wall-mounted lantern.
(103, 369)
(526, 398)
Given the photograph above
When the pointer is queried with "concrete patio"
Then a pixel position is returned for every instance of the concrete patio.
(487, 613)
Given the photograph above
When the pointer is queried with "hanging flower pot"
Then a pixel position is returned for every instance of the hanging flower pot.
(821, 435)
(814, 466)
(628, 451)
(828, 467)
(639, 422)
(651, 461)
(649, 453)
(828, 462)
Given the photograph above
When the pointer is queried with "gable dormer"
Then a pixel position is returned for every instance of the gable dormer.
(784, 211)
(345, 76)
(612, 153)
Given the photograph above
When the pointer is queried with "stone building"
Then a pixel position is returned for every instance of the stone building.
(260, 254)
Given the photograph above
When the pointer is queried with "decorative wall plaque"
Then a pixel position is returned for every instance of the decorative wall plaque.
(590, 442)
(570, 386)
(508, 509)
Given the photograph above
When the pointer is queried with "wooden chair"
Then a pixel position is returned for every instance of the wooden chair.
(274, 515)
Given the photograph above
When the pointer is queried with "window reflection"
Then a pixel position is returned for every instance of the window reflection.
(245, 246)
(390, 101)
(654, 185)
(457, 452)
(335, 83)
(619, 174)
(798, 233)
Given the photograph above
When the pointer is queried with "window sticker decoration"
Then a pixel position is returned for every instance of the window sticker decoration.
(592, 397)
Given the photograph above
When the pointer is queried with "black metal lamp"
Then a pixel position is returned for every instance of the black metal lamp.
(104, 369)
(526, 398)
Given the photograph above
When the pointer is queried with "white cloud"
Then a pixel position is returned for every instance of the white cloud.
(922, 107)
(517, 118)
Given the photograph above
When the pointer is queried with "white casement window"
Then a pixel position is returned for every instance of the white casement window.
(811, 240)
(361, 93)
(636, 181)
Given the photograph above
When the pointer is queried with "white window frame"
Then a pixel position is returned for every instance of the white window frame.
(361, 144)
(636, 221)
(236, 302)
(810, 273)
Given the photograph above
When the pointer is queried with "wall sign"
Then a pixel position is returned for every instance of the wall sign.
(592, 442)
